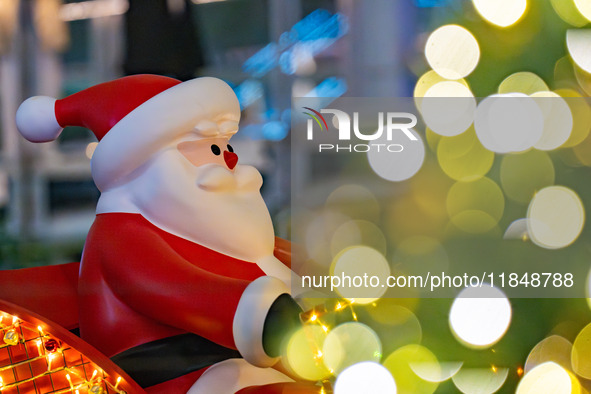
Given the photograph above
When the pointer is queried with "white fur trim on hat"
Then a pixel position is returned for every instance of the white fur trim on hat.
(159, 121)
(249, 319)
(36, 121)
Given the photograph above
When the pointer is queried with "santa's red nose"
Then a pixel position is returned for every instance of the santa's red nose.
(231, 159)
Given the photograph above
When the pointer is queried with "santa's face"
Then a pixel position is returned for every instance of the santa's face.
(209, 150)
(195, 189)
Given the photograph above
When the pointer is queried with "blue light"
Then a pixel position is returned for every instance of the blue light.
(316, 32)
(330, 87)
(287, 63)
(320, 24)
(431, 3)
(252, 131)
(275, 130)
(248, 92)
(286, 116)
(263, 61)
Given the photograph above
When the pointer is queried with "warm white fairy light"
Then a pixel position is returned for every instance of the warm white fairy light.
(365, 377)
(502, 13)
(480, 316)
(452, 51)
(50, 358)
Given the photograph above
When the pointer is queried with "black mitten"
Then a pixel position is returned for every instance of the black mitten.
(282, 319)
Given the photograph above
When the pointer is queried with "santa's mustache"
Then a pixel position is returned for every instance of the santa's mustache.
(217, 178)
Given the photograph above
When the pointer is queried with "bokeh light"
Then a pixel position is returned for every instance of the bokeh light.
(397, 166)
(524, 174)
(588, 289)
(582, 77)
(452, 51)
(358, 232)
(584, 7)
(508, 123)
(475, 207)
(348, 344)
(548, 378)
(558, 120)
(582, 152)
(502, 13)
(480, 380)
(577, 43)
(428, 80)
(303, 353)
(360, 269)
(421, 361)
(318, 233)
(522, 82)
(433, 371)
(399, 364)
(581, 113)
(517, 230)
(568, 12)
(448, 108)
(555, 217)
(554, 348)
(581, 353)
(463, 158)
(355, 201)
(480, 316)
(420, 254)
(387, 316)
(366, 377)
(428, 192)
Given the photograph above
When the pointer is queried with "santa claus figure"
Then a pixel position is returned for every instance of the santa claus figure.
(178, 282)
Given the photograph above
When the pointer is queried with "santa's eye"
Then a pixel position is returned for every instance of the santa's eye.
(216, 150)
(230, 149)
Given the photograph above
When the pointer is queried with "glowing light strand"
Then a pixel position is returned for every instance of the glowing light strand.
(96, 379)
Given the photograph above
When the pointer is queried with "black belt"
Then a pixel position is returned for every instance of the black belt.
(169, 358)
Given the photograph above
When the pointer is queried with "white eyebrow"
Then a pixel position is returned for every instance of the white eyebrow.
(228, 127)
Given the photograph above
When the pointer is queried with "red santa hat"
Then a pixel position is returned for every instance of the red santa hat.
(132, 117)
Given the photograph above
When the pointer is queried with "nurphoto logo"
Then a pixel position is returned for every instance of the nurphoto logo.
(389, 123)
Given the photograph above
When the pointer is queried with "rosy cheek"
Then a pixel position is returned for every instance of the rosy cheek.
(199, 153)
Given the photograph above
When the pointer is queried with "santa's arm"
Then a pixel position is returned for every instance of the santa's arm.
(282, 251)
(146, 274)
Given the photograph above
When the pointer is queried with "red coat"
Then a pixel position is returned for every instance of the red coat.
(139, 283)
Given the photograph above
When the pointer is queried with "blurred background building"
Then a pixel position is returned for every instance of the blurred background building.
(268, 50)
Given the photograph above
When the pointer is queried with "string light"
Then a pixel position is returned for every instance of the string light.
(38, 342)
(70, 382)
(19, 332)
(50, 357)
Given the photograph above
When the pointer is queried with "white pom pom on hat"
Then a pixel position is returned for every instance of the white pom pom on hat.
(36, 121)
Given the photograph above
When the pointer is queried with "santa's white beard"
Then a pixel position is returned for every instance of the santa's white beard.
(209, 205)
